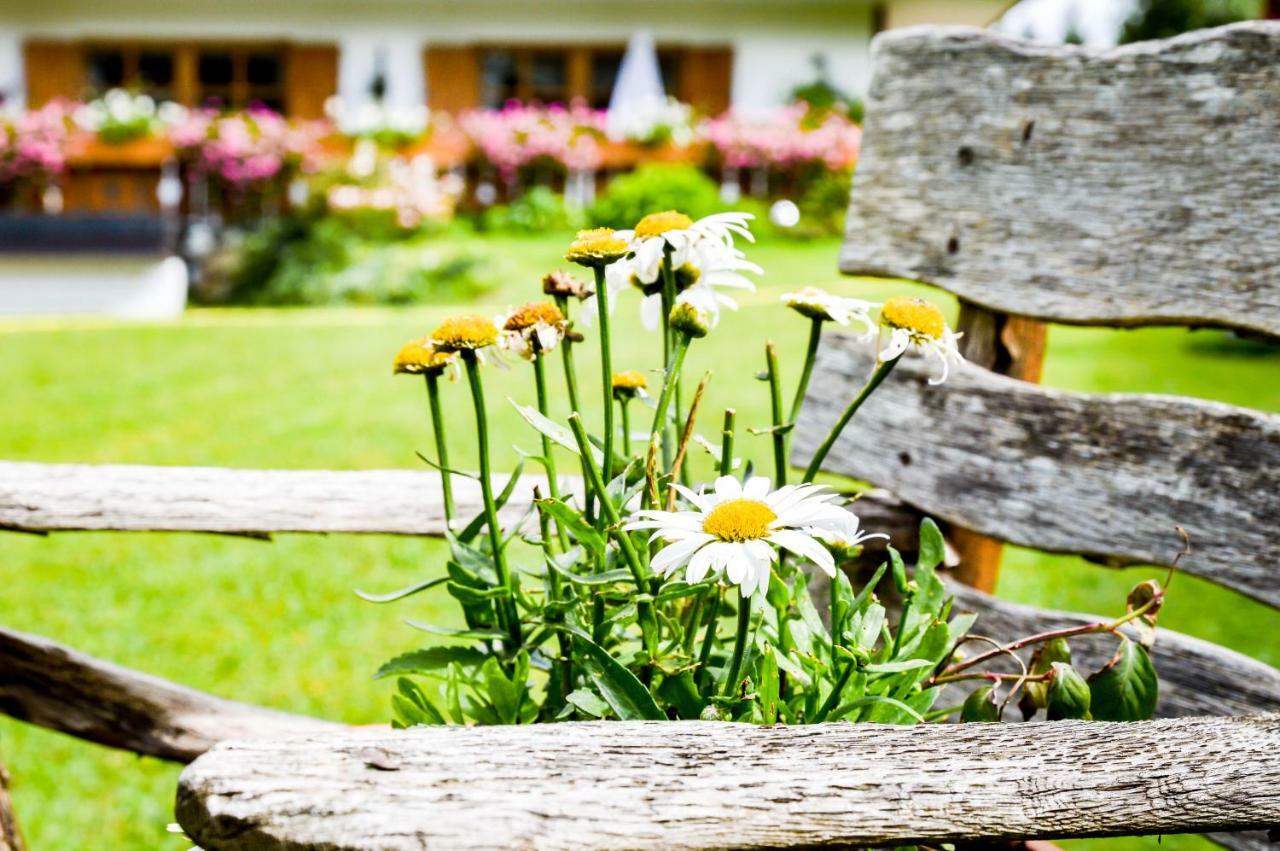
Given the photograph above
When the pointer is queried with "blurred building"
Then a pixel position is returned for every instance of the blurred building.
(451, 54)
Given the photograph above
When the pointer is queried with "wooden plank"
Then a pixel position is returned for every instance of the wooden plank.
(62, 497)
(45, 683)
(10, 836)
(1008, 345)
(1196, 677)
(1132, 186)
(702, 785)
(1106, 476)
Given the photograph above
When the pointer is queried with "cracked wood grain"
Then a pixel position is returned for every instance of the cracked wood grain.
(703, 785)
(45, 683)
(1103, 475)
(1132, 186)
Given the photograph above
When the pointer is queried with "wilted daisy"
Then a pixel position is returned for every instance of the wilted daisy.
(629, 384)
(467, 333)
(562, 284)
(532, 329)
(736, 529)
(821, 305)
(421, 357)
(657, 232)
(597, 248)
(915, 321)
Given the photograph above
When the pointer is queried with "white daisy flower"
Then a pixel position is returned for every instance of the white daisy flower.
(919, 323)
(736, 529)
(816, 303)
(532, 329)
(670, 229)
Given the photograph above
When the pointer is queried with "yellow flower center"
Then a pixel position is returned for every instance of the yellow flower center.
(914, 314)
(656, 224)
(465, 331)
(739, 520)
(629, 380)
(534, 313)
(420, 356)
(596, 247)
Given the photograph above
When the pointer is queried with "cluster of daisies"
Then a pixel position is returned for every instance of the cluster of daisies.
(687, 273)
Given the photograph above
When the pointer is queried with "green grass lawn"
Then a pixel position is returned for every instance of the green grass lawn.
(277, 623)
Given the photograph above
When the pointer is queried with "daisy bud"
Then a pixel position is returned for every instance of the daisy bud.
(629, 384)
(689, 320)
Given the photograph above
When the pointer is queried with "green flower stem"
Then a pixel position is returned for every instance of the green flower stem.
(565, 661)
(833, 699)
(709, 636)
(626, 426)
(882, 370)
(775, 406)
(669, 381)
(507, 606)
(810, 354)
(649, 625)
(902, 621)
(739, 645)
(442, 449)
(669, 341)
(726, 442)
(606, 370)
(549, 460)
(566, 354)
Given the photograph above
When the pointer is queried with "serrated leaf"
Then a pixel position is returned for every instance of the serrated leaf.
(625, 694)
(486, 634)
(1126, 689)
(429, 660)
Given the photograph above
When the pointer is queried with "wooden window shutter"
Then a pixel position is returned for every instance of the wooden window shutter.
(706, 78)
(453, 78)
(311, 77)
(53, 69)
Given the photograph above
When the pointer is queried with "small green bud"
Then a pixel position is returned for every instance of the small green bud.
(982, 705)
(689, 320)
(1068, 694)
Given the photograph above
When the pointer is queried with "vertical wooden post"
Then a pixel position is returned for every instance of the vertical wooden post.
(10, 838)
(1007, 345)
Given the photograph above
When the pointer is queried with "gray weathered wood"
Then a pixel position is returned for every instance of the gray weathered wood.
(56, 497)
(1196, 677)
(1106, 476)
(716, 785)
(46, 683)
(1131, 186)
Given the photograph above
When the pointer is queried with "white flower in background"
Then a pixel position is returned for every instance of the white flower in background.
(919, 323)
(736, 529)
(816, 303)
(532, 329)
(654, 121)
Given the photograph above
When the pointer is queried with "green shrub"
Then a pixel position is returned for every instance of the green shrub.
(657, 186)
(539, 210)
(349, 260)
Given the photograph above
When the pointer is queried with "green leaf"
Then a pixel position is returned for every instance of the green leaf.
(872, 700)
(682, 692)
(677, 590)
(588, 703)
(505, 693)
(625, 694)
(1126, 689)
(412, 707)
(485, 634)
(402, 593)
(1068, 694)
(572, 522)
(471, 597)
(897, 667)
(982, 705)
(860, 601)
(429, 660)
(899, 570)
(767, 685)
(558, 434)
(474, 527)
(933, 549)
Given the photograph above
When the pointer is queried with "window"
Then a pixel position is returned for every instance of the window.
(225, 75)
(559, 74)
